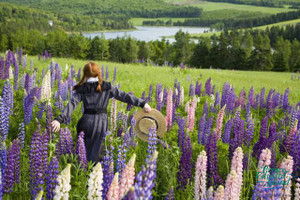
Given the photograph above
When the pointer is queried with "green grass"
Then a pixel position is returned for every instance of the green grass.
(137, 78)
(212, 6)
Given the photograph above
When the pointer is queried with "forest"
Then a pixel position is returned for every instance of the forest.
(242, 23)
(269, 50)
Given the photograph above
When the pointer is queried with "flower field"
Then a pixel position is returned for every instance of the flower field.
(230, 134)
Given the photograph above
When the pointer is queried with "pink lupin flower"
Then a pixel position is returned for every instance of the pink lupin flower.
(113, 191)
(237, 165)
(191, 115)
(287, 164)
(200, 176)
(297, 190)
(231, 185)
(127, 178)
(219, 194)
(169, 109)
(220, 122)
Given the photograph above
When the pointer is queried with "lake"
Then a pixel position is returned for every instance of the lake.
(149, 33)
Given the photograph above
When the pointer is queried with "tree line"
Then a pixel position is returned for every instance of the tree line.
(241, 23)
(244, 50)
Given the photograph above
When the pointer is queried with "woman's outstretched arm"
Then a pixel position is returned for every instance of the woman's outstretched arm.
(72, 104)
(126, 97)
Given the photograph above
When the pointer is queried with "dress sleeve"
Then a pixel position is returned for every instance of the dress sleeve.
(126, 97)
(72, 104)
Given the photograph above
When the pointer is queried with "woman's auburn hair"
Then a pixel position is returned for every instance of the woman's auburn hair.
(91, 69)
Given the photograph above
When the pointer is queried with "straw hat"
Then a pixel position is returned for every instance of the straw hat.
(144, 120)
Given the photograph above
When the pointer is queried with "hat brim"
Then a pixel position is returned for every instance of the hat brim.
(155, 115)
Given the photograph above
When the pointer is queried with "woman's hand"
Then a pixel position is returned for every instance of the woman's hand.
(147, 108)
(55, 125)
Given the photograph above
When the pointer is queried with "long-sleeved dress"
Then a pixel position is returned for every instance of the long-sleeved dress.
(93, 125)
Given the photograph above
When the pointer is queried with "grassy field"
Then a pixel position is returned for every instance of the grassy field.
(212, 6)
(137, 78)
(285, 23)
(212, 10)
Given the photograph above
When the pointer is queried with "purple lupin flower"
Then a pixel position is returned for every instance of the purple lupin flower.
(170, 195)
(51, 177)
(225, 92)
(217, 101)
(121, 158)
(145, 179)
(165, 95)
(39, 113)
(132, 133)
(201, 129)
(28, 83)
(107, 74)
(262, 98)
(35, 163)
(1, 67)
(285, 103)
(206, 131)
(81, 150)
(21, 135)
(152, 141)
(28, 105)
(260, 145)
(107, 171)
(16, 77)
(181, 132)
(208, 86)
(150, 93)
(5, 109)
(249, 131)
(227, 131)
(79, 74)
(192, 90)
(115, 74)
(212, 161)
(20, 55)
(7, 66)
(49, 121)
(205, 109)
(272, 135)
(238, 132)
(185, 165)
(13, 166)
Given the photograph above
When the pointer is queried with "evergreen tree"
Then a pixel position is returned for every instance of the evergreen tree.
(281, 55)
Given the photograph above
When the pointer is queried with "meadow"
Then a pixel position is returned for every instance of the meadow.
(175, 168)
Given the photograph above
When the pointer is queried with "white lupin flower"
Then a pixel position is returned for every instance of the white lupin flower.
(11, 74)
(63, 187)
(67, 67)
(46, 87)
(181, 96)
(95, 183)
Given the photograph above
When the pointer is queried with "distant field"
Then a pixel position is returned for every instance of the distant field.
(212, 10)
(212, 6)
(285, 23)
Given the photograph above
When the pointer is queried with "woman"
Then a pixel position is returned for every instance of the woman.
(95, 94)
